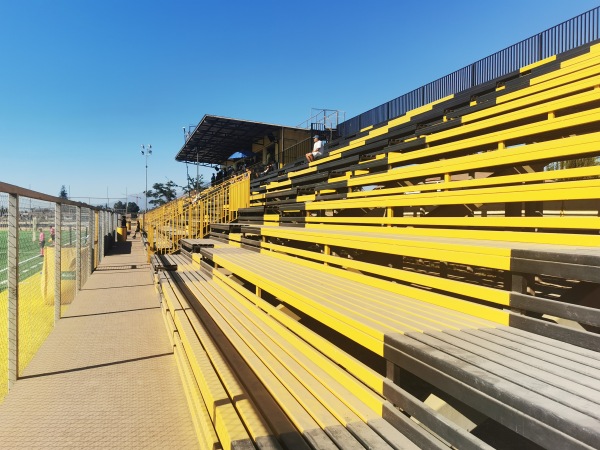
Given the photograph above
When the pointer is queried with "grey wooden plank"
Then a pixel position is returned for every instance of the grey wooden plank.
(440, 369)
(566, 350)
(526, 352)
(511, 360)
(536, 399)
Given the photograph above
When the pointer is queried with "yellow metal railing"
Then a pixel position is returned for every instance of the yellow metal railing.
(190, 216)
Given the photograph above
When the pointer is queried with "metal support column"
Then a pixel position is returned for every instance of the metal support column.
(57, 261)
(13, 289)
(78, 249)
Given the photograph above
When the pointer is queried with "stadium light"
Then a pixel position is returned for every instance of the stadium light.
(146, 151)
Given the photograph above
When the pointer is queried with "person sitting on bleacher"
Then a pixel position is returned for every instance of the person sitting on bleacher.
(317, 150)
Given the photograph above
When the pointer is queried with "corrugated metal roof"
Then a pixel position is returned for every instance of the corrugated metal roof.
(216, 138)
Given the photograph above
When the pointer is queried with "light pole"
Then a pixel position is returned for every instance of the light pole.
(146, 151)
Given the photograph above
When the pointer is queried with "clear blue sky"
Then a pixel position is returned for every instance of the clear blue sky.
(83, 84)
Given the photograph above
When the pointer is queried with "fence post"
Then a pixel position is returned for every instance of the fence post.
(57, 262)
(100, 235)
(78, 249)
(90, 241)
(13, 288)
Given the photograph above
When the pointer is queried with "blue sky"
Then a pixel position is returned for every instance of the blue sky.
(83, 84)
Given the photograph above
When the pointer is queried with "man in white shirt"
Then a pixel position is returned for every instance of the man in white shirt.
(317, 150)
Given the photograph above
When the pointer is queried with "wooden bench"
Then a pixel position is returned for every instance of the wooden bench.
(298, 391)
(215, 417)
(381, 321)
(514, 264)
(565, 69)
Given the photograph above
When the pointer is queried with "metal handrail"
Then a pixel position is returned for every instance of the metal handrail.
(296, 151)
(580, 30)
(16, 190)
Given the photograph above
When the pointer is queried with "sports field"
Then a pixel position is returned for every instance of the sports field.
(30, 261)
(36, 313)
(29, 256)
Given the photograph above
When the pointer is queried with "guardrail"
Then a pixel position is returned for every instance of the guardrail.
(296, 151)
(566, 36)
(48, 248)
(190, 216)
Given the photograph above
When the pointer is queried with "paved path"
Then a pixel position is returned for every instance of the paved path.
(106, 376)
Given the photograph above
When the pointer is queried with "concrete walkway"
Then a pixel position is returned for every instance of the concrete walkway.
(106, 376)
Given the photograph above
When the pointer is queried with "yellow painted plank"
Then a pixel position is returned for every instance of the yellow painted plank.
(559, 149)
(369, 339)
(545, 95)
(331, 157)
(205, 432)
(571, 190)
(490, 182)
(480, 292)
(289, 362)
(376, 305)
(475, 235)
(204, 290)
(491, 139)
(253, 421)
(562, 222)
(353, 394)
(562, 77)
(450, 312)
(275, 185)
(361, 371)
(265, 369)
(520, 114)
(226, 421)
(537, 64)
(299, 173)
(441, 250)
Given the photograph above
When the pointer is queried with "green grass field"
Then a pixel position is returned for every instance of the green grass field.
(29, 250)
(30, 261)
(36, 314)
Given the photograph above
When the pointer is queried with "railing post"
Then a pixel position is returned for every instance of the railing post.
(57, 261)
(13, 288)
(78, 249)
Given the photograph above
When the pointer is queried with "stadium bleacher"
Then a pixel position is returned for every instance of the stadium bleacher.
(448, 255)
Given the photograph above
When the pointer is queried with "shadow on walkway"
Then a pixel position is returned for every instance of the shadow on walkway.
(120, 248)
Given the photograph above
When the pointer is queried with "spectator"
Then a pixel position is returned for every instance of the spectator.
(52, 234)
(317, 150)
(42, 242)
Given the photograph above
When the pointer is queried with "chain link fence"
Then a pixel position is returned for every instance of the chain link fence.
(3, 294)
(48, 249)
(36, 265)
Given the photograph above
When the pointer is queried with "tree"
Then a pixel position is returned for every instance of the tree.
(193, 184)
(132, 207)
(162, 193)
(119, 206)
(63, 192)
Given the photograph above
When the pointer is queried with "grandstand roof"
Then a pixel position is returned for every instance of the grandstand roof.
(216, 138)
